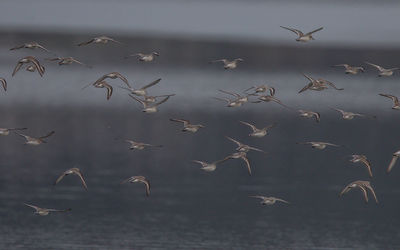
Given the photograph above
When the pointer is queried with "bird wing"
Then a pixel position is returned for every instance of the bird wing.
(138, 100)
(18, 47)
(365, 194)
(250, 125)
(281, 200)
(126, 180)
(25, 136)
(305, 87)
(185, 122)
(257, 197)
(271, 126)
(162, 101)
(151, 84)
(392, 163)
(41, 47)
(372, 192)
(32, 206)
(332, 85)
(48, 135)
(223, 99)
(53, 59)
(341, 65)
(317, 116)
(17, 67)
(229, 93)
(123, 78)
(37, 65)
(111, 39)
(309, 33)
(79, 173)
(147, 184)
(109, 90)
(376, 66)
(257, 149)
(367, 165)
(86, 43)
(298, 32)
(394, 98)
(244, 158)
(4, 83)
(233, 140)
(60, 178)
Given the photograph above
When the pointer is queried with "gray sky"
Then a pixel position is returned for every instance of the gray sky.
(352, 24)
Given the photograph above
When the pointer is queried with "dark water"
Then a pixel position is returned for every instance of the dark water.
(189, 208)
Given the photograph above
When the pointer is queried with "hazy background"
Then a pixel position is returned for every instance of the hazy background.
(188, 208)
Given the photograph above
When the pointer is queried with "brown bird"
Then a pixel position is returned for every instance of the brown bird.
(301, 36)
(317, 85)
(318, 145)
(100, 39)
(310, 114)
(45, 211)
(350, 115)
(363, 159)
(258, 132)
(268, 200)
(31, 45)
(141, 179)
(240, 155)
(353, 70)
(66, 61)
(395, 99)
(4, 83)
(396, 155)
(140, 145)
(29, 59)
(145, 57)
(6, 131)
(243, 147)
(382, 70)
(229, 64)
(72, 171)
(35, 141)
(363, 186)
(187, 126)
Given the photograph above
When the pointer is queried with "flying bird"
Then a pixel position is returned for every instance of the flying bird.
(45, 211)
(310, 114)
(396, 155)
(258, 132)
(35, 141)
(72, 171)
(229, 64)
(104, 84)
(141, 179)
(230, 103)
(261, 89)
(317, 85)
(27, 60)
(187, 126)
(145, 57)
(363, 159)
(318, 145)
(149, 107)
(243, 147)
(382, 70)
(140, 145)
(353, 70)
(268, 200)
(66, 61)
(142, 91)
(364, 186)
(350, 115)
(31, 45)
(209, 167)
(395, 99)
(100, 39)
(301, 36)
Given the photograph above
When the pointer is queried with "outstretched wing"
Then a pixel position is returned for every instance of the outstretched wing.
(86, 43)
(48, 135)
(376, 66)
(298, 32)
(250, 125)
(244, 158)
(392, 163)
(309, 33)
(151, 84)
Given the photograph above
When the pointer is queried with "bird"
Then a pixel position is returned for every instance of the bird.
(261, 89)
(149, 107)
(30, 45)
(142, 91)
(258, 132)
(317, 85)
(364, 186)
(6, 131)
(100, 39)
(65, 61)
(141, 179)
(229, 64)
(239, 98)
(230, 103)
(240, 155)
(350, 115)
(187, 126)
(270, 98)
(104, 84)
(318, 145)
(396, 155)
(268, 200)
(363, 159)
(112, 75)
(151, 99)
(29, 59)
(209, 167)
(243, 147)
(140, 145)
(383, 71)
(301, 36)
(395, 99)
(145, 57)
(45, 211)
(35, 141)
(310, 114)
(72, 171)
(4, 83)
(353, 70)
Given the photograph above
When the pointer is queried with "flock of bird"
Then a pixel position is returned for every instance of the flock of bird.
(262, 93)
